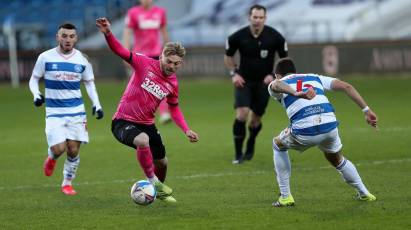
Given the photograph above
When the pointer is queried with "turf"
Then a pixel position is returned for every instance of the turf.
(211, 192)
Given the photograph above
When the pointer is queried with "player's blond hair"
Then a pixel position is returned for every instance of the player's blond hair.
(174, 48)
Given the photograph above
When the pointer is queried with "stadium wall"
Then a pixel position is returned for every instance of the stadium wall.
(330, 59)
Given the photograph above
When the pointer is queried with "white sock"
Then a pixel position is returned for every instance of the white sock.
(153, 179)
(70, 169)
(66, 182)
(350, 175)
(282, 167)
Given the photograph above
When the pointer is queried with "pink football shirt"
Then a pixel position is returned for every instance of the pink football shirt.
(146, 25)
(145, 90)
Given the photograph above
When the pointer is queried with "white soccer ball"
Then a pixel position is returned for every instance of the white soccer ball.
(143, 192)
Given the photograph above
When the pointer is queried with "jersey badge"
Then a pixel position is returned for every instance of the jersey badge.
(78, 68)
(263, 53)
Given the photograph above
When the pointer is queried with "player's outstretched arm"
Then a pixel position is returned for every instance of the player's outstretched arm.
(351, 92)
(104, 26)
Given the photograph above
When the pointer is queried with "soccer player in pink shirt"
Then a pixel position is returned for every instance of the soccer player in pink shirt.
(133, 123)
(146, 22)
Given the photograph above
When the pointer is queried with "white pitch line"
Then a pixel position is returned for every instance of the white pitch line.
(393, 129)
(388, 129)
(201, 175)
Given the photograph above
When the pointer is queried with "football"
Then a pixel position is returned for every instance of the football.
(143, 192)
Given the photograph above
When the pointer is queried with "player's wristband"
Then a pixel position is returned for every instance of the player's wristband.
(366, 109)
(233, 72)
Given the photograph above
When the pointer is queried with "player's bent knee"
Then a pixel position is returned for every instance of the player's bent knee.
(277, 144)
(58, 149)
(334, 158)
(242, 113)
(73, 152)
(255, 120)
(142, 140)
(255, 123)
(241, 118)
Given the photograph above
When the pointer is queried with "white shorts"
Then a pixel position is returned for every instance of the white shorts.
(327, 142)
(59, 129)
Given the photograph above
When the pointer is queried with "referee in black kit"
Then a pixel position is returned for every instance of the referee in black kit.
(257, 44)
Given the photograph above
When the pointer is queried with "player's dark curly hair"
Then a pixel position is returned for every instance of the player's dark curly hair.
(285, 66)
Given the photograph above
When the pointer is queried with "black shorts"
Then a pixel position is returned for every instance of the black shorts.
(125, 132)
(253, 95)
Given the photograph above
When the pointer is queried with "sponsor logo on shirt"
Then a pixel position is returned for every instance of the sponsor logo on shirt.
(63, 76)
(151, 87)
(149, 23)
(263, 53)
(316, 109)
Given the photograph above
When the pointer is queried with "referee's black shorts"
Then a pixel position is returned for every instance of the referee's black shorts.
(125, 132)
(253, 95)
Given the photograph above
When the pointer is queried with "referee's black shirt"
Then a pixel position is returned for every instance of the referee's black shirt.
(256, 54)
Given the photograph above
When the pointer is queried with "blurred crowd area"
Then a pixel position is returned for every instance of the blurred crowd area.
(36, 21)
(198, 23)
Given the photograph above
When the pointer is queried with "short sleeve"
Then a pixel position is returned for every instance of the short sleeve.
(230, 46)
(128, 21)
(39, 67)
(326, 81)
(283, 47)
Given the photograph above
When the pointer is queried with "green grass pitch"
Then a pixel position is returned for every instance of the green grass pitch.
(211, 192)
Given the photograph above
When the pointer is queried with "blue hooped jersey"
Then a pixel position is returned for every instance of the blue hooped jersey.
(62, 76)
(308, 117)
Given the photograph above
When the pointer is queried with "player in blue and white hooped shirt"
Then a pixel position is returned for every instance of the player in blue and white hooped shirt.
(312, 123)
(63, 68)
